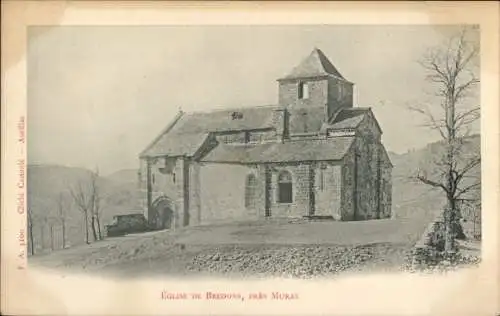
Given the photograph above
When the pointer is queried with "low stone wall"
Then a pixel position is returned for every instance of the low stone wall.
(427, 251)
(427, 254)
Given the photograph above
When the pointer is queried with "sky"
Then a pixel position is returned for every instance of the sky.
(98, 95)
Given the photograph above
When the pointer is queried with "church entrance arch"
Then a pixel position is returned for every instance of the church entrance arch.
(163, 213)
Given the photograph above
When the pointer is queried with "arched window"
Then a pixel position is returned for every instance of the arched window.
(285, 188)
(250, 188)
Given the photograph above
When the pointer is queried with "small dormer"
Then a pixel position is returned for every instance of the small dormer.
(236, 115)
(315, 82)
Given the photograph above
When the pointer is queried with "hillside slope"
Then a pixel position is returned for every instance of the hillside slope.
(414, 199)
(47, 182)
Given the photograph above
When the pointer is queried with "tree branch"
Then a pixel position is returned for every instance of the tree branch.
(467, 189)
(432, 183)
(434, 123)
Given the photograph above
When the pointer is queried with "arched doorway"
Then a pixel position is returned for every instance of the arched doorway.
(163, 213)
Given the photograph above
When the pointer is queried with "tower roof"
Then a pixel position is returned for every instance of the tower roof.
(314, 65)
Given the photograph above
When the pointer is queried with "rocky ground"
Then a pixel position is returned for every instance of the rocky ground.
(302, 261)
(300, 250)
(290, 261)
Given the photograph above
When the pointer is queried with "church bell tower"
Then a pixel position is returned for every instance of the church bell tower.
(315, 82)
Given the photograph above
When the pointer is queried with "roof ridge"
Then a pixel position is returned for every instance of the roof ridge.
(366, 108)
(214, 110)
(167, 129)
(326, 63)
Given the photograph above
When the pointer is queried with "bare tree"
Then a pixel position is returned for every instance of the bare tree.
(62, 209)
(51, 226)
(83, 200)
(31, 241)
(96, 203)
(452, 71)
(44, 219)
(471, 212)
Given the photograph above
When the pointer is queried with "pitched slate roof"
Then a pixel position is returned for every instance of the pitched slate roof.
(349, 118)
(314, 65)
(176, 145)
(311, 119)
(222, 120)
(293, 151)
(189, 131)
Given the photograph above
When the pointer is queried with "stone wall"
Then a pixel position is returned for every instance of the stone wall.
(227, 138)
(262, 136)
(247, 136)
(328, 189)
(166, 180)
(300, 205)
(427, 250)
(337, 100)
(222, 192)
(385, 187)
(142, 178)
(366, 191)
(366, 177)
(348, 187)
(330, 92)
(318, 93)
(373, 173)
(194, 194)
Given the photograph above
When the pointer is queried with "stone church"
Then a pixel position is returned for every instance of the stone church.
(312, 155)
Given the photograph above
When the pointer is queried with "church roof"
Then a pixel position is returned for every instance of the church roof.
(292, 151)
(176, 145)
(314, 65)
(259, 117)
(311, 119)
(188, 131)
(348, 118)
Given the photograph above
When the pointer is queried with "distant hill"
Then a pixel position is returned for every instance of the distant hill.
(47, 182)
(411, 199)
(124, 176)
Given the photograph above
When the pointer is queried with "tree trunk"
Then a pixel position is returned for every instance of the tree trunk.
(86, 227)
(64, 234)
(31, 240)
(51, 237)
(42, 237)
(99, 227)
(94, 233)
(451, 228)
(449, 242)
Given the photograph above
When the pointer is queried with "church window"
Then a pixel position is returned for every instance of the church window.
(341, 90)
(303, 90)
(285, 189)
(321, 179)
(250, 191)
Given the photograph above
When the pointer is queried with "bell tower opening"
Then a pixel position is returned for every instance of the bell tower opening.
(303, 91)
